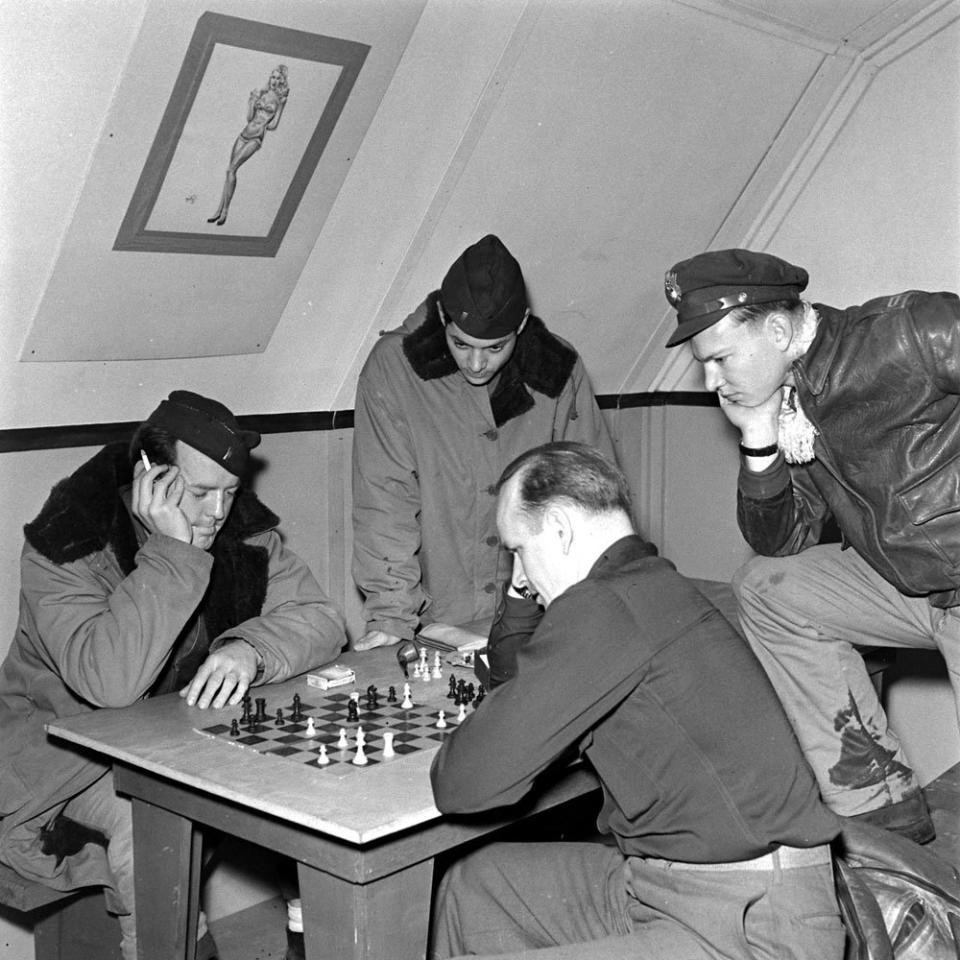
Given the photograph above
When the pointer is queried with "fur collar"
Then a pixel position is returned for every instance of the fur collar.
(84, 513)
(540, 362)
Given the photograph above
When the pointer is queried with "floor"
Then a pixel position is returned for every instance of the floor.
(257, 933)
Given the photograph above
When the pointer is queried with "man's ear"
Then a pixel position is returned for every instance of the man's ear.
(779, 328)
(558, 523)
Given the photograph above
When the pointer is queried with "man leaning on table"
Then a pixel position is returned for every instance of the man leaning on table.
(721, 839)
(136, 580)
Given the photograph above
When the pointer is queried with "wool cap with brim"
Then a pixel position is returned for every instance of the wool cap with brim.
(207, 426)
(706, 287)
(483, 292)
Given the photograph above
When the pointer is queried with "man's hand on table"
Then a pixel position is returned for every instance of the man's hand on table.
(224, 677)
(375, 638)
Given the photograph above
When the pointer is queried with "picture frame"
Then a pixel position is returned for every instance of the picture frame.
(197, 143)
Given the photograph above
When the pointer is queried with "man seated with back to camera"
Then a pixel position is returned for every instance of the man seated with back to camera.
(722, 840)
(138, 580)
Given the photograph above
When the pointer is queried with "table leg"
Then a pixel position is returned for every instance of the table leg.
(166, 859)
(385, 919)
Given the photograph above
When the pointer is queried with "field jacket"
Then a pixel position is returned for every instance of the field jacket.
(104, 621)
(429, 447)
(881, 384)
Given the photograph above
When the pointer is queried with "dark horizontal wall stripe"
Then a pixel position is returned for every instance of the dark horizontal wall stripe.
(97, 434)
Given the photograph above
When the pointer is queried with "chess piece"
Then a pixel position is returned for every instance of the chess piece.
(392, 695)
(388, 750)
(323, 759)
(441, 721)
(297, 714)
(360, 758)
(280, 720)
(352, 712)
(407, 703)
(342, 741)
(261, 713)
(462, 715)
(311, 730)
(437, 672)
(234, 727)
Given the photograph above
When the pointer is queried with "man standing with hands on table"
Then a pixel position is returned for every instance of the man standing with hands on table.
(847, 418)
(469, 381)
(722, 841)
(149, 570)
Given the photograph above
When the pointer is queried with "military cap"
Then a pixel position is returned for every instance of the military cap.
(483, 292)
(706, 287)
(207, 426)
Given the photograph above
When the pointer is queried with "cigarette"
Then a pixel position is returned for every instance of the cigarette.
(145, 460)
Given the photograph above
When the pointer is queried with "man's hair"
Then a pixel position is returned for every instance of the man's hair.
(158, 444)
(570, 472)
(756, 312)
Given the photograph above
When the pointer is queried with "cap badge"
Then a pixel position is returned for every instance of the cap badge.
(742, 296)
(672, 287)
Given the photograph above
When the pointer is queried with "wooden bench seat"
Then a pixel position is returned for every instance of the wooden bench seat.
(67, 925)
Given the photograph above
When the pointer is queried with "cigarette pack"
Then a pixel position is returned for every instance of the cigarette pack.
(336, 675)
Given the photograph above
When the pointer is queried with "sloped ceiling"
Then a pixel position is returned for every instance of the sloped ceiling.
(602, 139)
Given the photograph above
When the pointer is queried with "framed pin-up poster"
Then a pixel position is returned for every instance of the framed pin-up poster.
(228, 139)
(247, 121)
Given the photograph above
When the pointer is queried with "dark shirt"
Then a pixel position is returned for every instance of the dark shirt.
(636, 668)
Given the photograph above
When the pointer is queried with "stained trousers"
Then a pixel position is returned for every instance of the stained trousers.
(586, 901)
(802, 615)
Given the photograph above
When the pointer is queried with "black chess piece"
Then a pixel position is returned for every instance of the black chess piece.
(261, 713)
(245, 715)
(234, 727)
(352, 713)
(452, 692)
(280, 720)
(392, 695)
(297, 715)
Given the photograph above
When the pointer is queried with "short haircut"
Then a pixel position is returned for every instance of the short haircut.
(755, 312)
(570, 472)
(158, 444)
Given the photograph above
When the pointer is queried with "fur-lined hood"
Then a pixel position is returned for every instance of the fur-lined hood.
(540, 362)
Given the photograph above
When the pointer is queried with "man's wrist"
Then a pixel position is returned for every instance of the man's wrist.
(261, 665)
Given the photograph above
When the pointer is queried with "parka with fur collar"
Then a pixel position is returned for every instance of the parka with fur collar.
(101, 617)
(428, 449)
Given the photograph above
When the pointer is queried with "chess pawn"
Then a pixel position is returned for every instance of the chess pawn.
(462, 714)
(311, 730)
(323, 759)
(441, 720)
(388, 750)
(342, 741)
(437, 672)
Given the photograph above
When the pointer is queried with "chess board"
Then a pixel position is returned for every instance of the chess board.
(413, 729)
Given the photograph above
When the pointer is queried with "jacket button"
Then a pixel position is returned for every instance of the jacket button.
(493, 541)
(492, 489)
(491, 434)
(489, 588)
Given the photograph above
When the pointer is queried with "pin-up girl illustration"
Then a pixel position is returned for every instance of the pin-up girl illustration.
(264, 109)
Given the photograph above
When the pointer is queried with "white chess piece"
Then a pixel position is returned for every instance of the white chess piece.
(437, 672)
(441, 720)
(311, 730)
(342, 741)
(323, 759)
(407, 702)
(462, 715)
(388, 750)
(360, 758)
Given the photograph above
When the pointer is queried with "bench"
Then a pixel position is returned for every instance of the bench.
(67, 924)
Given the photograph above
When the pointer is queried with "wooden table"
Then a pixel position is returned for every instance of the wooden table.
(364, 840)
